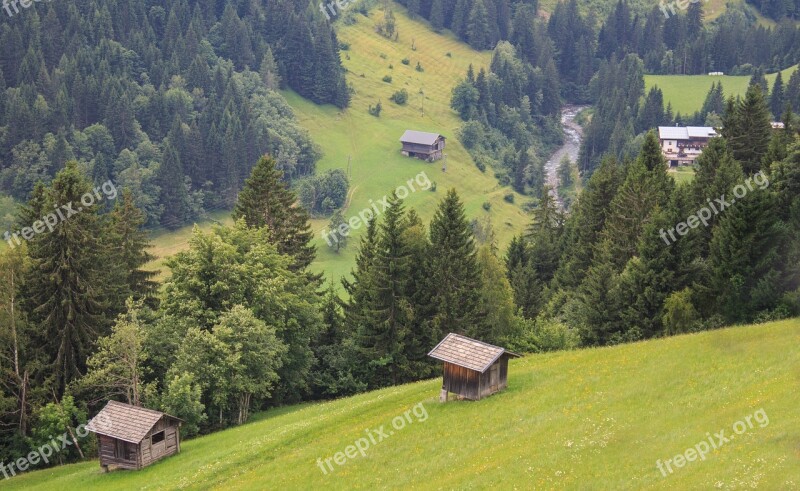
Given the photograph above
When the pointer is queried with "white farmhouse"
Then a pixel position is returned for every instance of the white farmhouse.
(681, 145)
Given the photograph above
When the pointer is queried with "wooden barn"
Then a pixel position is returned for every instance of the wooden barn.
(131, 437)
(425, 146)
(472, 369)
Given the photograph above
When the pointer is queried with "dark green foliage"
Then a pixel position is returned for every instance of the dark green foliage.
(325, 192)
(400, 97)
(376, 111)
(182, 71)
(334, 351)
(130, 243)
(747, 128)
(266, 201)
(65, 292)
(453, 269)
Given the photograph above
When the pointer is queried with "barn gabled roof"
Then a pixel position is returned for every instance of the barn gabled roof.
(468, 353)
(125, 422)
(419, 137)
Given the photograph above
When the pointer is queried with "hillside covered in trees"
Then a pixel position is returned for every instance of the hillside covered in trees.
(175, 100)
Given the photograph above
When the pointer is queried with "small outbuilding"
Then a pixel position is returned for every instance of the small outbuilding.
(131, 437)
(472, 369)
(425, 146)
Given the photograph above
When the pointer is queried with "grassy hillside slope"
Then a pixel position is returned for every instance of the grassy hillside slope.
(591, 419)
(372, 144)
(377, 167)
(687, 92)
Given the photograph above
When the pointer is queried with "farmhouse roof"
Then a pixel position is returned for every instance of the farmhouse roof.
(685, 132)
(419, 137)
(701, 132)
(125, 422)
(468, 353)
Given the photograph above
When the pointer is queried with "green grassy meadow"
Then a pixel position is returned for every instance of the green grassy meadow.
(682, 174)
(588, 419)
(686, 93)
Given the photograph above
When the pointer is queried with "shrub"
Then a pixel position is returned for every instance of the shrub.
(391, 67)
(405, 61)
(552, 335)
(433, 187)
(387, 79)
(376, 111)
(448, 55)
(344, 46)
(400, 97)
(679, 313)
(509, 197)
(324, 192)
(419, 68)
(487, 206)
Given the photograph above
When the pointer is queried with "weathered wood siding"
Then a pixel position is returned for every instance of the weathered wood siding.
(429, 151)
(462, 381)
(151, 452)
(474, 385)
(124, 455)
(504, 371)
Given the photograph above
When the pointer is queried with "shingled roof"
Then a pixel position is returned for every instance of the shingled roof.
(125, 422)
(419, 137)
(468, 353)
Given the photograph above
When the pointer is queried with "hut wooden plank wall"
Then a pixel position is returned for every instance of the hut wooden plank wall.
(131, 437)
(426, 146)
(472, 369)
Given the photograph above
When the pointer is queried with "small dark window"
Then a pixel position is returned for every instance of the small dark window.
(158, 437)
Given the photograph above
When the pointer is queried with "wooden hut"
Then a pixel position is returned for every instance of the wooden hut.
(472, 369)
(425, 146)
(131, 437)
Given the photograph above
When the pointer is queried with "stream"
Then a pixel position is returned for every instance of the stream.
(573, 135)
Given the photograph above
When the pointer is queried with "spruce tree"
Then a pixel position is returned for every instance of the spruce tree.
(129, 242)
(381, 339)
(776, 98)
(360, 289)
(597, 311)
(646, 186)
(266, 201)
(586, 223)
(437, 15)
(749, 138)
(478, 32)
(65, 289)
(453, 269)
(746, 257)
(174, 195)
